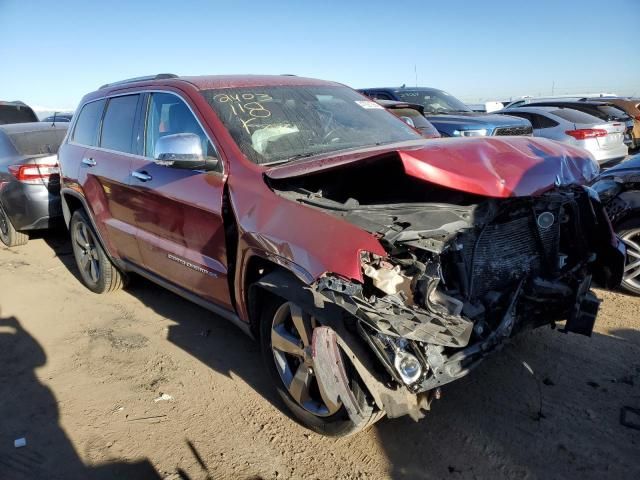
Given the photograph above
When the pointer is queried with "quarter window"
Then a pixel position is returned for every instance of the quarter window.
(86, 129)
(118, 123)
(169, 115)
(545, 122)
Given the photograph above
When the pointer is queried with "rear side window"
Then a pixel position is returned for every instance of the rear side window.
(525, 115)
(575, 116)
(118, 123)
(544, 122)
(86, 129)
(16, 114)
(38, 142)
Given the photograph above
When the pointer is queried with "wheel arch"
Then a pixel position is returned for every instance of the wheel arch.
(263, 279)
(71, 201)
(628, 207)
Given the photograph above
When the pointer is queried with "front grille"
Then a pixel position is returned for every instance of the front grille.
(506, 252)
(504, 131)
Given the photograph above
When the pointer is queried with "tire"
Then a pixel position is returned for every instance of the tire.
(629, 232)
(97, 272)
(8, 234)
(277, 316)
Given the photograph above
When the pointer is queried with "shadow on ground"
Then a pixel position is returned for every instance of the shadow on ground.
(29, 410)
(499, 422)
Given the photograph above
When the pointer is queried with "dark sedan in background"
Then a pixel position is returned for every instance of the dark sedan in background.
(58, 117)
(29, 179)
(413, 115)
(619, 191)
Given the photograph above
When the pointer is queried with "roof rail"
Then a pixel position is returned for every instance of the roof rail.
(159, 76)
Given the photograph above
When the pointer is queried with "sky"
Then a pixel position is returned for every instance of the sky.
(54, 52)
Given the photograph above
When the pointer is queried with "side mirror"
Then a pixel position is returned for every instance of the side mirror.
(182, 150)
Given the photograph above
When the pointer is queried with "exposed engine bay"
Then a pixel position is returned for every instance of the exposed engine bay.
(464, 272)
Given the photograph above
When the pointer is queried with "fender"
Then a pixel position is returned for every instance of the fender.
(623, 206)
(66, 212)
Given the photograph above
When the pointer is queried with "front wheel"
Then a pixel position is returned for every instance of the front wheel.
(96, 270)
(629, 233)
(286, 331)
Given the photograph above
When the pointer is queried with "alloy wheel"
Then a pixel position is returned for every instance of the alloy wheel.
(88, 259)
(291, 334)
(631, 277)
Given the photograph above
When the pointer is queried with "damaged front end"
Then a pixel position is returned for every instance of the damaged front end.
(461, 278)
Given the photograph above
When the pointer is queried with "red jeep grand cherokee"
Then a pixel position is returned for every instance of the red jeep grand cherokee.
(373, 266)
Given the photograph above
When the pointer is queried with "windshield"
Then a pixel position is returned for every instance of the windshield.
(277, 124)
(613, 112)
(433, 100)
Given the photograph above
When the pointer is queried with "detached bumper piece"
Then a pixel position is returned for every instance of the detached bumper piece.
(583, 316)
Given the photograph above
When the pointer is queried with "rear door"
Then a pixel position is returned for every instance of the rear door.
(179, 211)
(104, 175)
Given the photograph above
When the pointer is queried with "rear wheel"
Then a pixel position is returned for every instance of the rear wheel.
(8, 234)
(285, 335)
(96, 270)
(629, 233)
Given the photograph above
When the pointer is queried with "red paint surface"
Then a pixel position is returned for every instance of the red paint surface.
(495, 167)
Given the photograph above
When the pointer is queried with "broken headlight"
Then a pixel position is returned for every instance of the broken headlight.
(406, 364)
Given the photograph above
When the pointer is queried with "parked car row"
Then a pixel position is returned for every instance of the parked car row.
(617, 111)
(373, 265)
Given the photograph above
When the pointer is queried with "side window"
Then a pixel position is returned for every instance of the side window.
(381, 96)
(86, 130)
(169, 115)
(526, 116)
(118, 123)
(545, 122)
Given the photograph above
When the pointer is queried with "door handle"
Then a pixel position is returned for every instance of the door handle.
(142, 176)
(89, 162)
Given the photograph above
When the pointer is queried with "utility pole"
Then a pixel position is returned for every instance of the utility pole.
(553, 87)
(415, 71)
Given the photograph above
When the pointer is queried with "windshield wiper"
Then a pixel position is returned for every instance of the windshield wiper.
(290, 159)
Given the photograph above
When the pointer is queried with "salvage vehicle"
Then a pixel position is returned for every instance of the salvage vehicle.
(413, 115)
(29, 179)
(372, 265)
(619, 190)
(450, 116)
(604, 140)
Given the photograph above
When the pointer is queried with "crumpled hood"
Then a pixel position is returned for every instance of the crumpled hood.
(498, 167)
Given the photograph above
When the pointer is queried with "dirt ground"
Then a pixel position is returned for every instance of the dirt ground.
(143, 384)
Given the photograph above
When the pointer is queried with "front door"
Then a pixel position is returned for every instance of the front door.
(179, 212)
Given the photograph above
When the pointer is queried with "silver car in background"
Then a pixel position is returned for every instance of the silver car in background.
(604, 140)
